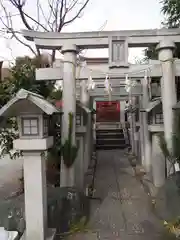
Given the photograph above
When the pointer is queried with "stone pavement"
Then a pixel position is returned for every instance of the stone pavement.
(124, 212)
(10, 172)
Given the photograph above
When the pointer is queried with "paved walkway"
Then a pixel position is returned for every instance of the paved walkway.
(124, 212)
(10, 172)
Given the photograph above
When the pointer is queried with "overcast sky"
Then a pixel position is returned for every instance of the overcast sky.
(110, 15)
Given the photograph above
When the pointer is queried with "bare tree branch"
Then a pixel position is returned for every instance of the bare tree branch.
(50, 12)
(19, 6)
(72, 5)
(20, 41)
(23, 14)
(50, 15)
(6, 16)
(35, 21)
(9, 29)
(47, 20)
(63, 4)
(38, 13)
(78, 14)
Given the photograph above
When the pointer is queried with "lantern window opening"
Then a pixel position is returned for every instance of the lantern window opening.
(159, 118)
(45, 126)
(78, 120)
(30, 126)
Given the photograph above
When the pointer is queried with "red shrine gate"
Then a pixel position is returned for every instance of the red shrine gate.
(108, 111)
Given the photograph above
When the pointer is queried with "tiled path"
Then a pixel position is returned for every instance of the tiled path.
(10, 172)
(124, 212)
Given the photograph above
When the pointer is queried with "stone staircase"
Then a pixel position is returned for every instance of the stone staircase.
(109, 138)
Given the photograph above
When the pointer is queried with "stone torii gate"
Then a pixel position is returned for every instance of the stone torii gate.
(118, 42)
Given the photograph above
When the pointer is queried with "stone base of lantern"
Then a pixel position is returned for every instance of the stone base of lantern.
(51, 233)
(33, 144)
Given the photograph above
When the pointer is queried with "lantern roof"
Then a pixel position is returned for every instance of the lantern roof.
(151, 105)
(11, 107)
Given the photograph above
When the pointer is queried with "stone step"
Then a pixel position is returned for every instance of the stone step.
(110, 141)
(110, 147)
(109, 131)
(109, 135)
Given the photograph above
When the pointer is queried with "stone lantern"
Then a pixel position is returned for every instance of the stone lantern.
(155, 123)
(33, 116)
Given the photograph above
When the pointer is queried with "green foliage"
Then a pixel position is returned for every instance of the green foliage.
(164, 148)
(173, 155)
(8, 133)
(79, 226)
(56, 94)
(93, 111)
(69, 150)
(176, 137)
(53, 167)
(171, 10)
(173, 228)
(151, 53)
(168, 155)
(23, 76)
(76, 228)
(6, 141)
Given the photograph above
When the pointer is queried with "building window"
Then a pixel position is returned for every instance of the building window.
(78, 120)
(159, 118)
(45, 126)
(30, 126)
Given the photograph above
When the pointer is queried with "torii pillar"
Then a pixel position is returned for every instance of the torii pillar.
(168, 89)
(67, 178)
(85, 100)
(146, 143)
